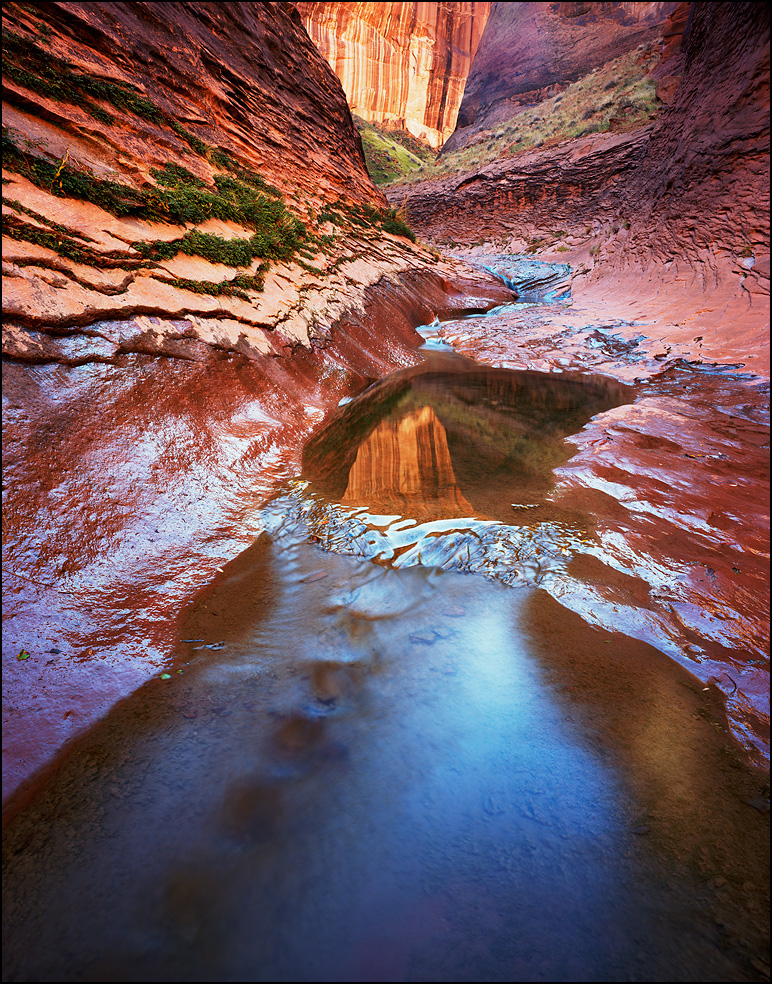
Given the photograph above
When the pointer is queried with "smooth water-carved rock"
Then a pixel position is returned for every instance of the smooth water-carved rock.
(400, 63)
(190, 236)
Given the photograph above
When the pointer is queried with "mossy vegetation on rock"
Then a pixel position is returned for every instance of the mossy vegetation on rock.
(391, 153)
(235, 193)
(55, 78)
(239, 195)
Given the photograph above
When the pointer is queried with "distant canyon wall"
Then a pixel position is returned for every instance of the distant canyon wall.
(401, 63)
(676, 212)
(529, 51)
(697, 178)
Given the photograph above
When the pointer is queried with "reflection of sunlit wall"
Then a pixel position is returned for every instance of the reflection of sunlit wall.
(405, 464)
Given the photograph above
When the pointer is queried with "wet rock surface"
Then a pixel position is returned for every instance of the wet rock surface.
(128, 482)
(677, 482)
(257, 728)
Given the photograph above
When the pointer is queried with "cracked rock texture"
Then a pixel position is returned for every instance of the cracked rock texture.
(404, 64)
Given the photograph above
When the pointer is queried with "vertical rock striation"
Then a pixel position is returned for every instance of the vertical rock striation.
(404, 64)
(405, 465)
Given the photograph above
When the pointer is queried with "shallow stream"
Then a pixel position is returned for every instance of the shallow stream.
(383, 751)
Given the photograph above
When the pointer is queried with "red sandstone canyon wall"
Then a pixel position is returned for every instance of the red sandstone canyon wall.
(680, 206)
(400, 63)
(196, 266)
(530, 50)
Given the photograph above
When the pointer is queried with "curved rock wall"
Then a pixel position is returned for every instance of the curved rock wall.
(400, 63)
(677, 212)
(194, 271)
(183, 160)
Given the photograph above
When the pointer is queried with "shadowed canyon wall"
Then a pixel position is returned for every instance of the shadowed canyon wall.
(400, 63)
(185, 157)
(682, 202)
(529, 51)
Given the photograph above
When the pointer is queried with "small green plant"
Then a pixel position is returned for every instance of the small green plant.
(64, 244)
(395, 224)
(198, 145)
(57, 79)
(179, 197)
(237, 287)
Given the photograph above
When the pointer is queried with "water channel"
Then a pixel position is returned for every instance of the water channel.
(383, 751)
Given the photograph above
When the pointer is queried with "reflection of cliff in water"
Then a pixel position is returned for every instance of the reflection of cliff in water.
(404, 466)
(451, 438)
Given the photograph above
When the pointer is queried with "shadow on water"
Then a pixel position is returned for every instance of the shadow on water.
(390, 771)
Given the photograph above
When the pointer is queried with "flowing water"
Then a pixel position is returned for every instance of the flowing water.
(383, 751)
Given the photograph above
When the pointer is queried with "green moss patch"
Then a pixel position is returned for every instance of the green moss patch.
(366, 217)
(237, 287)
(65, 245)
(57, 226)
(55, 78)
(181, 198)
(391, 154)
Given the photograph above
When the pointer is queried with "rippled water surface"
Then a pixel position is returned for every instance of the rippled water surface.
(365, 763)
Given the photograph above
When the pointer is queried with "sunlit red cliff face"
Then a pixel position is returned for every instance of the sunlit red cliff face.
(162, 366)
(405, 465)
(404, 64)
